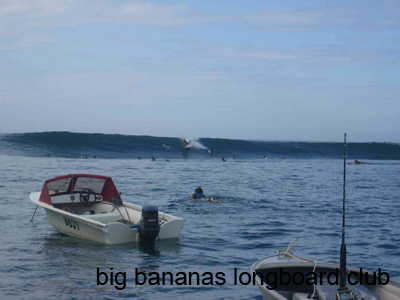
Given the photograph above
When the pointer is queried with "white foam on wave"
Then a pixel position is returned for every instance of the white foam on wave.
(194, 143)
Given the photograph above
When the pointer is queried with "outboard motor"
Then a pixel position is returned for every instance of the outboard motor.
(149, 225)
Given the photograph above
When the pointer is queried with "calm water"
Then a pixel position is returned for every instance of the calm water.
(266, 204)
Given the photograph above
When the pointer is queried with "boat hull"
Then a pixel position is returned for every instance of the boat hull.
(113, 233)
(106, 227)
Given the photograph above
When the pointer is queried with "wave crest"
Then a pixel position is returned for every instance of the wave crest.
(78, 145)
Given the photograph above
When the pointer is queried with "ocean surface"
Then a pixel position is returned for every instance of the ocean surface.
(266, 203)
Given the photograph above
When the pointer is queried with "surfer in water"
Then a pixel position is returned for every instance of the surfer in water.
(198, 195)
(185, 143)
(223, 159)
(153, 159)
(357, 162)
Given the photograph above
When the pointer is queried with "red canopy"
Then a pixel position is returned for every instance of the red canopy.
(75, 183)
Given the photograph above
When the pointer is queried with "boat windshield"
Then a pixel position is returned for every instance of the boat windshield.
(59, 186)
(77, 183)
(95, 184)
(62, 185)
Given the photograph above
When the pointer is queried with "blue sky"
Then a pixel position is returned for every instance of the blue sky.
(268, 70)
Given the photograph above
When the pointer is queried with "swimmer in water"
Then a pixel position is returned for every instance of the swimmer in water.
(198, 195)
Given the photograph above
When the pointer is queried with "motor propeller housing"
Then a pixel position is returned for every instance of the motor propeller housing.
(149, 224)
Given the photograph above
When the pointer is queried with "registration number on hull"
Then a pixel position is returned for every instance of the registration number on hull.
(71, 223)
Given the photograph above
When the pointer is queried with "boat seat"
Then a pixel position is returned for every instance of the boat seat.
(104, 218)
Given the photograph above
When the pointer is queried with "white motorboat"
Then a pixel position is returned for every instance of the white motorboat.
(90, 207)
(288, 277)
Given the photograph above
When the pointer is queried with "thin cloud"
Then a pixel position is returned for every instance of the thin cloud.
(45, 13)
(19, 18)
(327, 56)
(283, 20)
(5, 98)
(25, 42)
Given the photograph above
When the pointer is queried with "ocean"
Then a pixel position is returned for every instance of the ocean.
(266, 203)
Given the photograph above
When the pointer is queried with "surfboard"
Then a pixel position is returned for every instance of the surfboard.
(360, 163)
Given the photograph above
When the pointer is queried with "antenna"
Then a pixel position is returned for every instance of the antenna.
(343, 292)
(342, 285)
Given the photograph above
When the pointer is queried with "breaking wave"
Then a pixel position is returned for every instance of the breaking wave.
(78, 145)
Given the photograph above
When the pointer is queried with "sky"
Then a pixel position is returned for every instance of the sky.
(267, 70)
